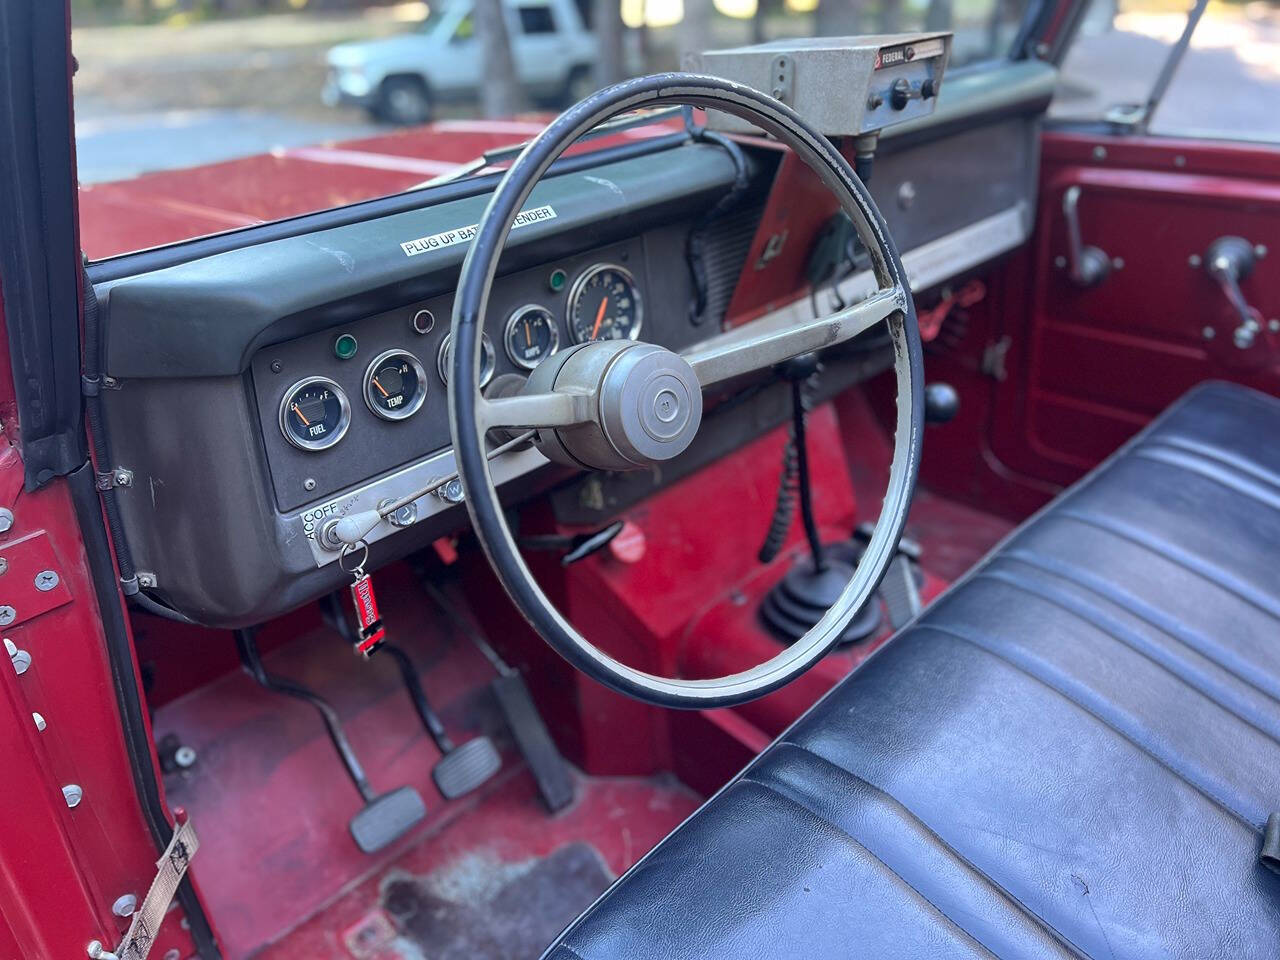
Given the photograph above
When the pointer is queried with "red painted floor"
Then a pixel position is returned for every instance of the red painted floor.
(271, 801)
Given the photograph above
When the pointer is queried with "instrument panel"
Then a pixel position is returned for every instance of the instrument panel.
(367, 398)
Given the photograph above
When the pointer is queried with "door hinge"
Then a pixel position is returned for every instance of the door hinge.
(119, 477)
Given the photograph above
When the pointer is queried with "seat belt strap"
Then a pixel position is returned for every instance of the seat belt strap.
(170, 869)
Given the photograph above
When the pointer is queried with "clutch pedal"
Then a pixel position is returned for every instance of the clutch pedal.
(464, 768)
(384, 818)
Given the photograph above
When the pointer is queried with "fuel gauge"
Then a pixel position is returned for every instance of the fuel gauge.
(314, 414)
(531, 336)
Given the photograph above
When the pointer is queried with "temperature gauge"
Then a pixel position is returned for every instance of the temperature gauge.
(531, 336)
(395, 385)
(314, 414)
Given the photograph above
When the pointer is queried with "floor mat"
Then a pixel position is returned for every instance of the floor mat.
(487, 910)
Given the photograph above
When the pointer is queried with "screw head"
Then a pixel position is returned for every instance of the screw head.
(46, 580)
(1179, 161)
(1099, 152)
(72, 794)
(123, 478)
(21, 661)
(1194, 260)
(309, 483)
(276, 366)
(7, 615)
(1208, 333)
(125, 905)
(4, 566)
(1273, 325)
(1260, 250)
(185, 757)
(6, 520)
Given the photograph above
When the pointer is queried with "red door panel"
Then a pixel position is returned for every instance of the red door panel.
(1091, 366)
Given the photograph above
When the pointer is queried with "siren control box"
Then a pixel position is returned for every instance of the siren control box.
(843, 86)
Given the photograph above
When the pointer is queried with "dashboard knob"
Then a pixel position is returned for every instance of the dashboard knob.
(451, 491)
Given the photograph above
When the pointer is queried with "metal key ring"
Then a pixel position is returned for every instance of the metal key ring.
(349, 549)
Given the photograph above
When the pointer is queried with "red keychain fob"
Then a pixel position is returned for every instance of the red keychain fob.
(371, 630)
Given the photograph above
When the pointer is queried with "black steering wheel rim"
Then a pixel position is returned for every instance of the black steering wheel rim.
(470, 303)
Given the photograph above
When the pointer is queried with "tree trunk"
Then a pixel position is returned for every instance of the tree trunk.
(500, 91)
(837, 18)
(696, 36)
(608, 22)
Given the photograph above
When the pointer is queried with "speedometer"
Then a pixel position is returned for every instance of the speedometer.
(605, 305)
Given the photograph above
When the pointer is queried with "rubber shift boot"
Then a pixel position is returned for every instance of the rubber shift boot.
(901, 596)
(387, 818)
(464, 768)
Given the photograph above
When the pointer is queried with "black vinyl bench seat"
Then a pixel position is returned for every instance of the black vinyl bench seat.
(1073, 753)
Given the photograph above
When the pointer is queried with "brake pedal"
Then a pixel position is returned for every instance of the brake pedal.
(548, 767)
(465, 768)
(459, 769)
(384, 818)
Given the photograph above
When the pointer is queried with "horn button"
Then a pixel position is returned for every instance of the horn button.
(648, 405)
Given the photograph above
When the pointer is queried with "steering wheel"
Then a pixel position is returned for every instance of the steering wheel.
(613, 405)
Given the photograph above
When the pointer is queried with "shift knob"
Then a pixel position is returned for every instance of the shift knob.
(941, 402)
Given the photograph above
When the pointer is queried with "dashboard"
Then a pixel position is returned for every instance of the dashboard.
(258, 389)
(365, 400)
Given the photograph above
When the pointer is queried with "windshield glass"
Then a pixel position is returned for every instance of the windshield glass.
(196, 117)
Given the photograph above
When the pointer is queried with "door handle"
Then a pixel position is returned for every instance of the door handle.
(1229, 260)
(1089, 265)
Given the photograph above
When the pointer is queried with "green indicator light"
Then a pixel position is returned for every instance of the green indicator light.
(556, 280)
(344, 348)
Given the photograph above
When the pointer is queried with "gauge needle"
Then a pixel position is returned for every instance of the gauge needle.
(528, 334)
(604, 304)
(381, 389)
(305, 421)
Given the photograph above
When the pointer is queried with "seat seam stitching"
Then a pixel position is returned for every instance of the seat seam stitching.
(861, 846)
(1244, 466)
(1071, 574)
(1153, 456)
(1203, 791)
(1033, 916)
(1012, 581)
(1099, 523)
